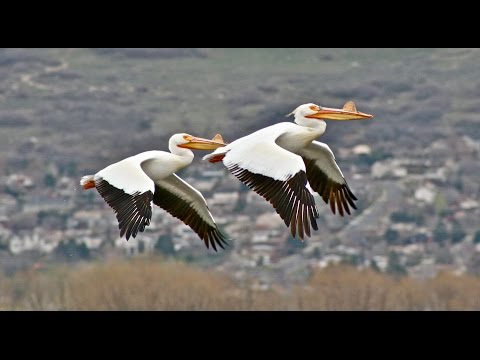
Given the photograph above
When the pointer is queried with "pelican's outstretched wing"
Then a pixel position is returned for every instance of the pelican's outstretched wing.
(326, 178)
(187, 204)
(129, 192)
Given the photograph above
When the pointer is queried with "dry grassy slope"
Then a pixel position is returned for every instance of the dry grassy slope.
(97, 106)
(156, 284)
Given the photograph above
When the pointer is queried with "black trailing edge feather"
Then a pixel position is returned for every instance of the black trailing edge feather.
(290, 198)
(182, 210)
(133, 211)
(338, 195)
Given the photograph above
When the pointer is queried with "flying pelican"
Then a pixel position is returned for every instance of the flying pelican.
(283, 163)
(130, 185)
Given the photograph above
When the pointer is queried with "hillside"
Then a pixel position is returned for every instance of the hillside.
(72, 97)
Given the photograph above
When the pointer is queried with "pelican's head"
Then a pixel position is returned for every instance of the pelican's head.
(192, 142)
(305, 112)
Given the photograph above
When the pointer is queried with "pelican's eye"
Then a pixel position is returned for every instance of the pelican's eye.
(188, 137)
(314, 107)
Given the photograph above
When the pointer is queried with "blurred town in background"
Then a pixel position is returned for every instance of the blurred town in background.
(65, 113)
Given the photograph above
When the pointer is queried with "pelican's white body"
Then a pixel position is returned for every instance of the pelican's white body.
(139, 172)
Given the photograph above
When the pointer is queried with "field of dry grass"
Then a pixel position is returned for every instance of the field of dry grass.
(155, 284)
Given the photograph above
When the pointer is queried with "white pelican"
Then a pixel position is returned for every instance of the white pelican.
(130, 185)
(283, 163)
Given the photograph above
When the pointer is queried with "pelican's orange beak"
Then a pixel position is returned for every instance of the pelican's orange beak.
(349, 112)
(199, 143)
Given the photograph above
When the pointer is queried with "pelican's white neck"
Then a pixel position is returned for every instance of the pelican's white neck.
(185, 154)
(317, 124)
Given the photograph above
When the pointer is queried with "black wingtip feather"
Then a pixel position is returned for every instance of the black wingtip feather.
(133, 211)
(182, 210)
(337, 195)
(288, 197)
